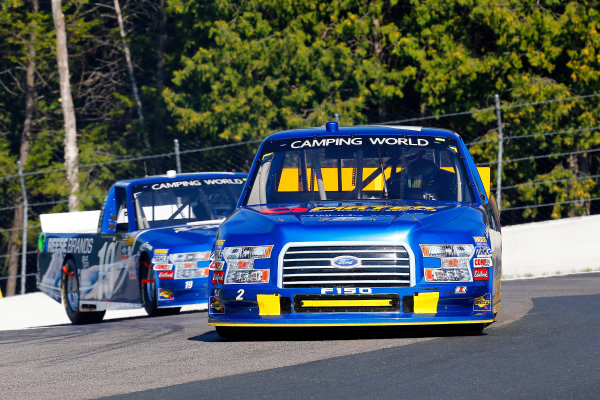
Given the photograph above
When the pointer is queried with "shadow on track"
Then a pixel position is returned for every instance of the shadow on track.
(337, 333)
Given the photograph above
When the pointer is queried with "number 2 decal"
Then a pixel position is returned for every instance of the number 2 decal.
(240, 295)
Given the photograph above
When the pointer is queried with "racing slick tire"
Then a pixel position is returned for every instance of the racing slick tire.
(149, 294)
(70, 297)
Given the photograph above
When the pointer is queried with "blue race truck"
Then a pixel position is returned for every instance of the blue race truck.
(359, 225)
(149, 245)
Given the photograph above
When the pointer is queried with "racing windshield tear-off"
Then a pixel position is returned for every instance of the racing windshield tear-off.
(361, 168)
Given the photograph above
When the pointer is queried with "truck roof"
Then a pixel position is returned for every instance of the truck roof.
(179, 177)
(333, 129)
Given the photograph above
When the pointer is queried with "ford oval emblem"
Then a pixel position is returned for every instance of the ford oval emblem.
(345, 262)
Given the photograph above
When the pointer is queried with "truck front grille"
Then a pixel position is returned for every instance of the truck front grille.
(308, 266)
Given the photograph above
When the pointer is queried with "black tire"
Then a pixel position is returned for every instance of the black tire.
(148, 287)
(232, 332)
(70, 297)
(149, 292)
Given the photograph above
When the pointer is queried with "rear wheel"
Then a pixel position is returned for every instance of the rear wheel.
(71, 298)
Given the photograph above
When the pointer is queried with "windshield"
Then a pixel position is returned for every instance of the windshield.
(347, 168)
(180, 202)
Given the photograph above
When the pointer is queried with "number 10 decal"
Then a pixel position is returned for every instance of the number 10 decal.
(106, 258)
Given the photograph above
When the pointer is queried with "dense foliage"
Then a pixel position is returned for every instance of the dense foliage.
(214, 72)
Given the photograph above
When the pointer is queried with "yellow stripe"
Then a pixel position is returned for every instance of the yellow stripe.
(347, 303)
(353, 324)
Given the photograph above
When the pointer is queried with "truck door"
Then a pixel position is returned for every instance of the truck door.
(108, 275)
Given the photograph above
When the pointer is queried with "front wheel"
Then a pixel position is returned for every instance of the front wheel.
(71, 298)
(149, 291)
(148, 288)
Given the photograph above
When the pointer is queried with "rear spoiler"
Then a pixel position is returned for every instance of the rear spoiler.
(70, 222)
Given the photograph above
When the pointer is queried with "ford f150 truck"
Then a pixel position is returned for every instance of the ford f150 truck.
(149, 246)
(365, 225)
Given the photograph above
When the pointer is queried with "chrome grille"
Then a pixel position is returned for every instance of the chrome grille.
(306, 266)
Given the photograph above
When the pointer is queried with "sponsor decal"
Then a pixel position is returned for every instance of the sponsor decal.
(482, 262)
(284, 210)
(218, 277)
(346, 290)
(216, 305)
(219, 243)
(375, 208)
(223, 181)
(480, 239)
(460, 290)
(481, 274)
(191, 273)
(483, 251)
(166, 274)
(358, 141)
(70, 245)
(216, 265)
(345, 262)
(41, 241)
(165, 295)
(161, 251)
(163, 267)
(160, 260)
(482, 303)
(171, 185)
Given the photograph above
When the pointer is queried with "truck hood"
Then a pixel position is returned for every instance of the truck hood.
(181, 238)
(364, 220)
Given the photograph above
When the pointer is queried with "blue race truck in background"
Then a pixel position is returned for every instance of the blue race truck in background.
(149, 245)
(365, 225)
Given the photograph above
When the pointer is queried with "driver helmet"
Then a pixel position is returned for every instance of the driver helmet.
(422, 174)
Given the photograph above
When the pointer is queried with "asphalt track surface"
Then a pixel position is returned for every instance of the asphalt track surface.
(544, 345)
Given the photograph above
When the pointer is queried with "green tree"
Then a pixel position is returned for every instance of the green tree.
(261, 66)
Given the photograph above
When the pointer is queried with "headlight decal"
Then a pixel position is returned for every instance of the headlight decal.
(455, 262)
(240, 264)
(188, 265)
